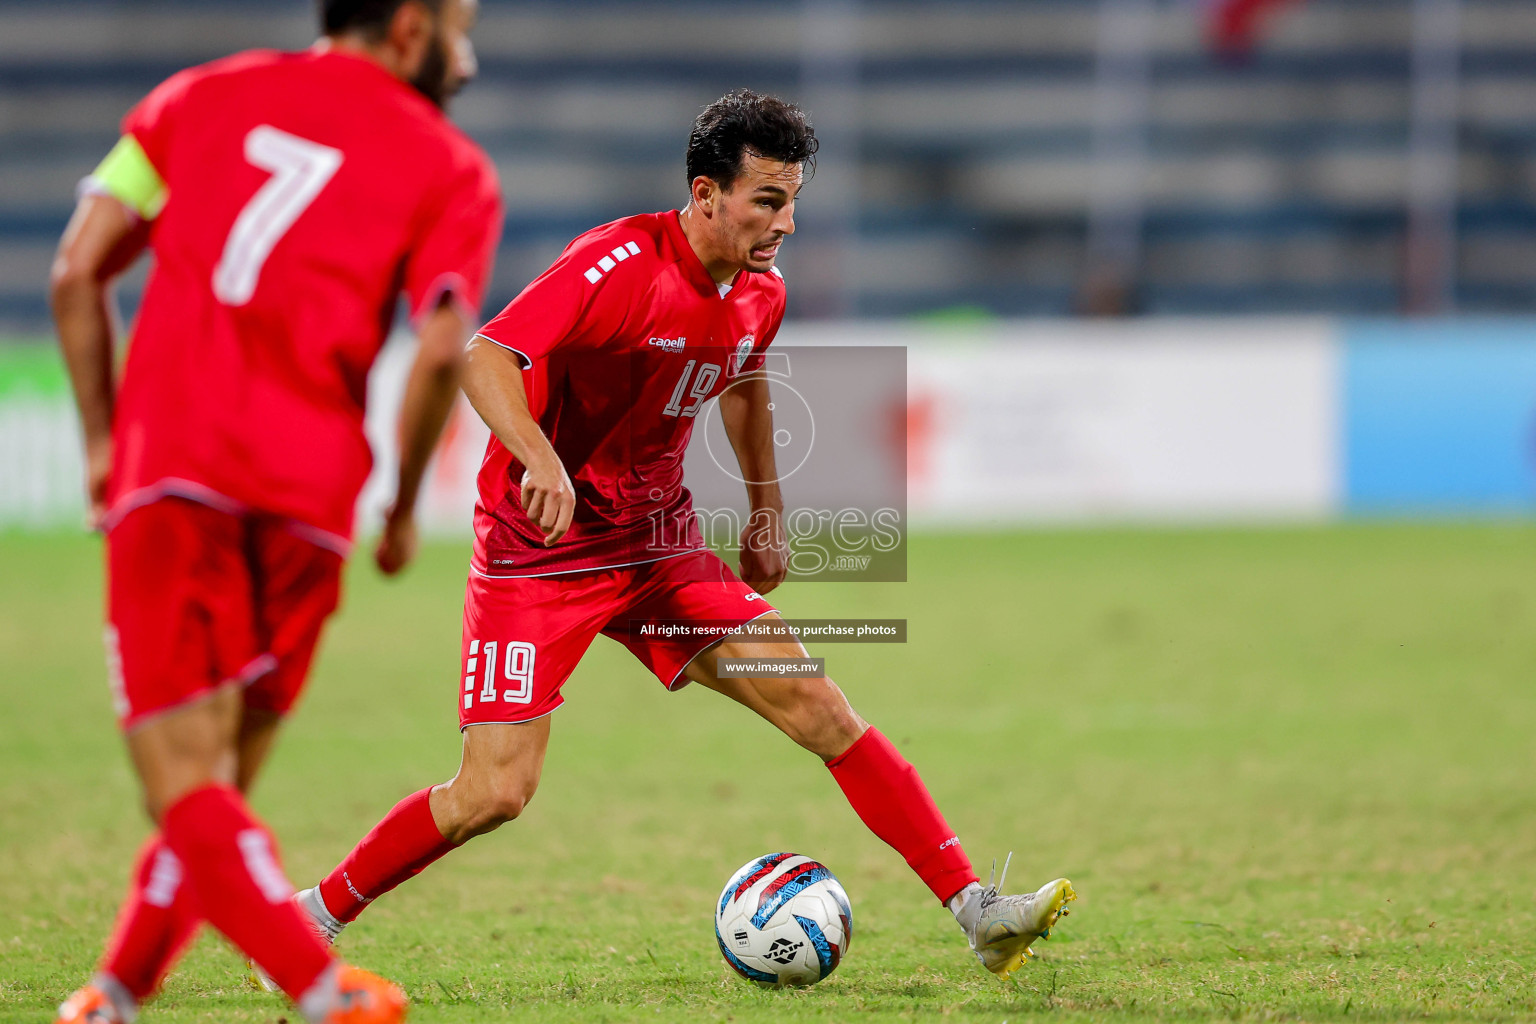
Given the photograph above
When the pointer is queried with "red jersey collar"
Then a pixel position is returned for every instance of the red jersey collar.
(692, 265)
(322, 49)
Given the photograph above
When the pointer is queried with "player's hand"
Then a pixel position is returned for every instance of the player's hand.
(98, 474)
(397, 544)
(548, 498)
(764, 551)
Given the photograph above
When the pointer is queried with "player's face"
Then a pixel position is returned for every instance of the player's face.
(450, 58)
(758, 212)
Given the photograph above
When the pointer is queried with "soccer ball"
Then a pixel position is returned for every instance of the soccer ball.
(783, 919)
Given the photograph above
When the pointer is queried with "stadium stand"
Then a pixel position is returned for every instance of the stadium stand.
(1271, 185)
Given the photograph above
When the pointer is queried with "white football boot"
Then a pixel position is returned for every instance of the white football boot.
(1002, 928)
(312, 908)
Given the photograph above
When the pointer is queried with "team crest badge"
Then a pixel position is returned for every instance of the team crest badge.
(743, 350)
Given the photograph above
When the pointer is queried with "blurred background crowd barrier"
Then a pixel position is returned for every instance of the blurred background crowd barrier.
(1303, 231)
(1168, 420)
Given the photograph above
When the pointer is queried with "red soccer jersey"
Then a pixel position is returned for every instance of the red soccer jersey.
(306, 191)
(624, 339)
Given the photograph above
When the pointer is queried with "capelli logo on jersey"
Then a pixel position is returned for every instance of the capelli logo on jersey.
(669, 344)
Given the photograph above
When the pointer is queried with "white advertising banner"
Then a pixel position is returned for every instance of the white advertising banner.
(42, 467)
(1004, 423)
(1158, 419)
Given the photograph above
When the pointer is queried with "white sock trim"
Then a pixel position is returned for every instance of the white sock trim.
(320, 998)
(966, 906)
(122, 1000)
(314, 904)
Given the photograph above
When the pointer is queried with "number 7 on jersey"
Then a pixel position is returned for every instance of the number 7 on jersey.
(300, 169)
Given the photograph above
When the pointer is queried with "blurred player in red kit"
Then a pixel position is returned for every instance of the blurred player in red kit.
(288, 199)
(590, 381)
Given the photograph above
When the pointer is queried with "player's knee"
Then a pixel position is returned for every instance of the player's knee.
(505, 805)
(476, 820)
(174, 779)
(820, 719)
(496, 805)
(157, 802)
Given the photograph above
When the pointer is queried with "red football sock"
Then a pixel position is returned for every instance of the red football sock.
(157, 921)
(231, 866)
(398, 848)
(891, 799)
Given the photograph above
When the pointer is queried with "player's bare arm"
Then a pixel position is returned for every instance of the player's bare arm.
(744, 408)
(493, 380)
(430, 391)
(102, 240)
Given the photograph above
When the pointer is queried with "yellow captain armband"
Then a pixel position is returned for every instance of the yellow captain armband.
(127, 176)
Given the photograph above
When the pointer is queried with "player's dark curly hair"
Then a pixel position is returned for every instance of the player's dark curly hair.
(368, 17)
(743, 121)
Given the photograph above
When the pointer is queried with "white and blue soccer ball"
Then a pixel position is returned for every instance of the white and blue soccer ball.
(783, 920)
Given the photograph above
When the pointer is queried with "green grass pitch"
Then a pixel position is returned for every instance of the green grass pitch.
(1292, 773)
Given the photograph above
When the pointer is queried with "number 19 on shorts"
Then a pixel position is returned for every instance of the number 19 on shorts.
(498, 671)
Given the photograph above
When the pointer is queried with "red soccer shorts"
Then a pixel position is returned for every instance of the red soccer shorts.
(199, 598)
(524, 635)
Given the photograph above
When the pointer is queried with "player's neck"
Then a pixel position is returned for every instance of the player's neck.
(696, 229)
(355, 46)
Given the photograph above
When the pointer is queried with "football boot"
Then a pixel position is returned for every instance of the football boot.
(1002, 928)
(91, 1005)
(364, 998)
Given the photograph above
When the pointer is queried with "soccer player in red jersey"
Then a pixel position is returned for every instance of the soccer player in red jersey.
(590, 382)
(288, 199)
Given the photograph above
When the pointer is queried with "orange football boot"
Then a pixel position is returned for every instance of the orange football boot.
(365, 998)
(89, 1005)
